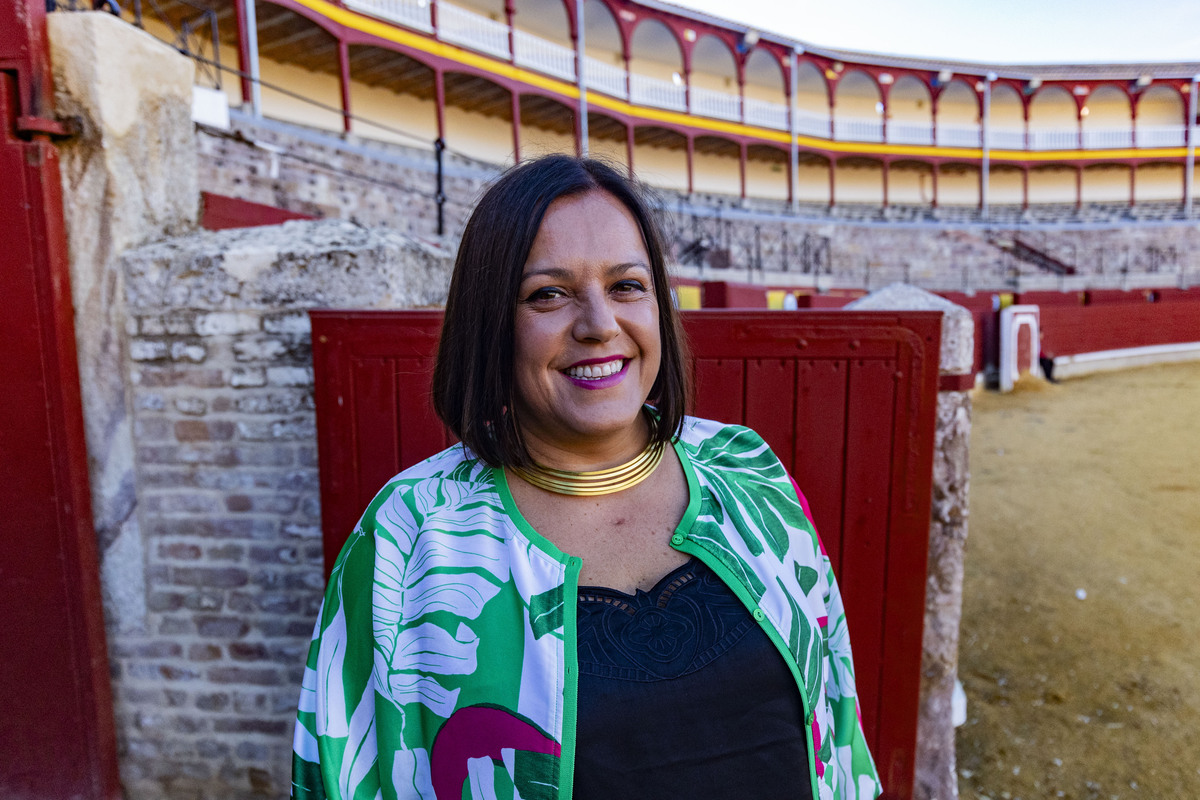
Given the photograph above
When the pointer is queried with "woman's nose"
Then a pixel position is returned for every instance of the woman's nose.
(596, 320)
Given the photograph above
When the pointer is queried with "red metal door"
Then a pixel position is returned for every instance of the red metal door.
(56, 735)
(847, 400)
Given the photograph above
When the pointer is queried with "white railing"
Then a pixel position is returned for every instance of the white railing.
(1054, 140)
(811, 124)
(473, 30)
(653, 92)
(1161, 136)
(721, 105)
(548, 57)
(409, 13)
(604, 77)
(910, 133)
(1107, 138)
(768, 115)
(1006, 139)
(857, 130)
(959, 136)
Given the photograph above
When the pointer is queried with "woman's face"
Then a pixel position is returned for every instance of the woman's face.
(586, 332)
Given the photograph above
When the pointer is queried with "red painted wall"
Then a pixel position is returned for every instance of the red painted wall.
(1069, 330)
(221, 212)
(847, 401)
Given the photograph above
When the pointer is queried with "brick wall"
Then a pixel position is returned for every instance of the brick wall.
(220, 376)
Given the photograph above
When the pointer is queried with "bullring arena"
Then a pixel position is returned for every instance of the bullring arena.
(202, 174)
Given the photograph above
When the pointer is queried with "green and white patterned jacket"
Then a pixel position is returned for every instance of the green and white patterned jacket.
(443, 664)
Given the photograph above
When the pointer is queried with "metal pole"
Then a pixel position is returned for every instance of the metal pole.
(439, 148)
(794, 65)
(252, 47)
(1190, 164)
(579, 59)
(985, 177)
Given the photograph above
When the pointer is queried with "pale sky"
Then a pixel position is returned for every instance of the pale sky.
(1000, 31)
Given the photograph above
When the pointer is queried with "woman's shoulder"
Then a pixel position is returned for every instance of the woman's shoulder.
(713, 438)
(454, 472)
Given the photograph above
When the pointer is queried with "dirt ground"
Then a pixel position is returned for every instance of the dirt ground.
(1080, 650)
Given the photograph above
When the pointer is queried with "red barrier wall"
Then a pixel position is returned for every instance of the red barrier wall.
(847, 400)
(1069, 330)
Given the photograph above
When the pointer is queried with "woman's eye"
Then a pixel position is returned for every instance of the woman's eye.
(545, 293)
(629, 286)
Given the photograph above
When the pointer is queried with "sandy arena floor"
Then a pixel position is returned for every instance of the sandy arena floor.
(1080, 645)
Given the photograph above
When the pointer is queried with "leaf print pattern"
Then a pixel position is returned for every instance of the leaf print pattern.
(441, 603)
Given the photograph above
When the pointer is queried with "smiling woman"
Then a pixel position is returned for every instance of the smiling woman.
(593, 596)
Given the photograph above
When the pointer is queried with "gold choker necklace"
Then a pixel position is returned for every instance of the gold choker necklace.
(598, 482)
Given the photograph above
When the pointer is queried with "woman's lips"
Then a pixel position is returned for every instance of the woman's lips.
(598, 373)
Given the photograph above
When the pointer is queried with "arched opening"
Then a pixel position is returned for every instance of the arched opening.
(715, 167)
(656, 67)
(660, 157)
(1159, 183)
(608, 139)
(812, 179)
(394, 91)
(1006, 119)
(958, 116)
(1160, 118)
(1106, 183)
(910, 183)
(542, 37)
(547, 126)
(766, 100)
(859, 180)
(294, 51)
(812, 101)
(857, 109)
(766, 172)
(473, 106)
(1053, 120)
(909, 112)
(1107, 119)
(958, 185)
(1052, 184)
(604, 50)
(714, 87)
(1006, 186)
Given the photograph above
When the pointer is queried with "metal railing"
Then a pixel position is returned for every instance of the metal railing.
(548, 57)
(604, 77)
(959, 136)
(660, 94)
(811, 124)
(1104, 139)
(1161, 136)
(850, 129)
(721, 105)
(476, 31)
(910, 133)
(409, 13)
(768, 115)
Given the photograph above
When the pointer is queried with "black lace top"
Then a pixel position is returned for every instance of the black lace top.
(681, 694)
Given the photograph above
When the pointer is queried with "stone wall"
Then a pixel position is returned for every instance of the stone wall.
(385, 184)
(220, 374)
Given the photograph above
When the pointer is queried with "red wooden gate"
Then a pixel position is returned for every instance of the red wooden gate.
(847, 400)
(56, 737)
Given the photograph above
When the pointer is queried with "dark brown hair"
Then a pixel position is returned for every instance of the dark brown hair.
(473, 379)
